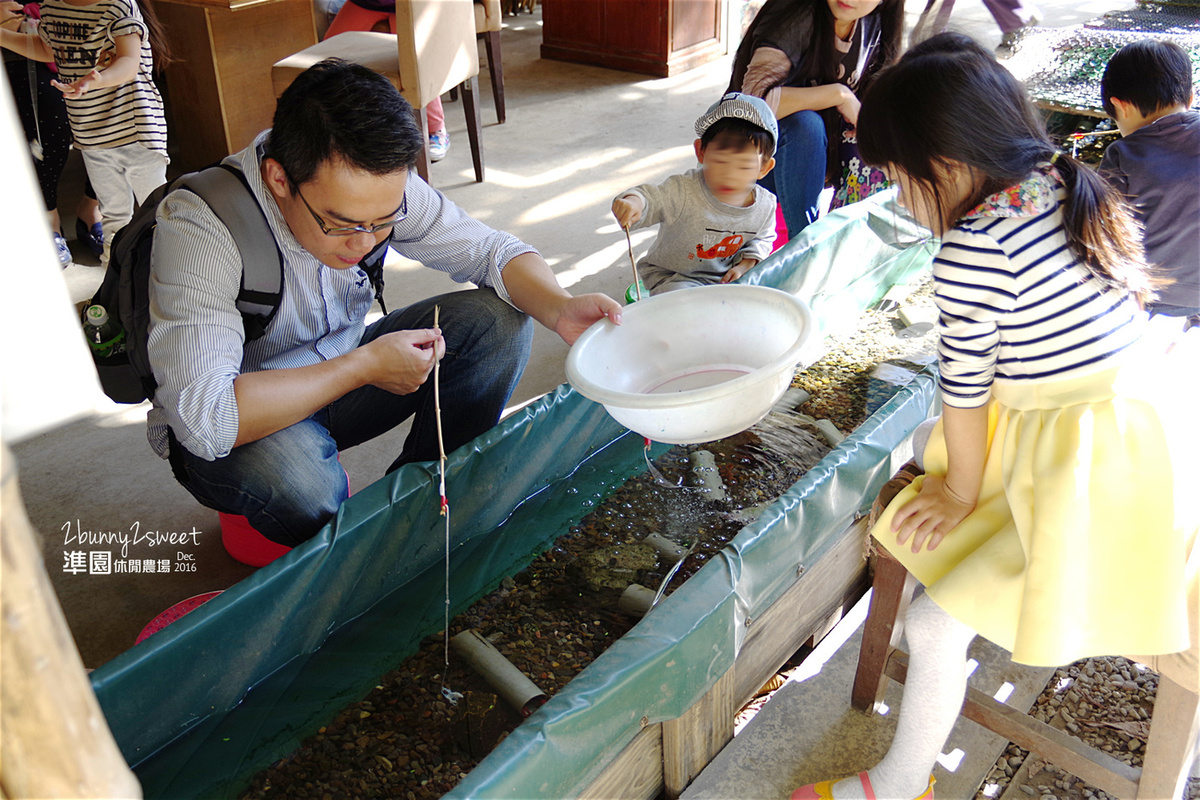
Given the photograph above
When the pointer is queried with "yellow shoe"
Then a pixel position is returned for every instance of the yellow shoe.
(824, 790)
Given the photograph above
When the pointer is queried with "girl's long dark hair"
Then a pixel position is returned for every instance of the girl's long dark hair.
(948, 100)
(160, 49)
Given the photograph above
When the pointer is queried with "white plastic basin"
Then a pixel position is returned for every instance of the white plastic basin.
(695, 364)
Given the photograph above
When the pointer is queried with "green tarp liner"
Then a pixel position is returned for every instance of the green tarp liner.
(678, 651)
(200, 707)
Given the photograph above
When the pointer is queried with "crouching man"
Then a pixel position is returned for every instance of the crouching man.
(254, 427)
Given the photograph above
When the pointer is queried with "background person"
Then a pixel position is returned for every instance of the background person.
(809, 59)
(1010, 15)
(715, 221)
(105, 53)
(1147, 89)
(43, 114)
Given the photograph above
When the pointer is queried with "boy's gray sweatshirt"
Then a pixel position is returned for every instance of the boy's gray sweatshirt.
(699, 235)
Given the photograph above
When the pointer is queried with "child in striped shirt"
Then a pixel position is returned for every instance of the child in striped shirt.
(1052, 486)
(105, 52)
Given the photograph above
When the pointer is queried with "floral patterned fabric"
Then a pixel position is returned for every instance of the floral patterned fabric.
(1028, 198)
(859, 180)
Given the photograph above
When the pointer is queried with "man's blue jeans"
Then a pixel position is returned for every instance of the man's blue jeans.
(800, 166)
(289, 484)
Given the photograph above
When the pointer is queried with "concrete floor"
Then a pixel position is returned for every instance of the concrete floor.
(552, 171)
(575, 136)
(808, 732)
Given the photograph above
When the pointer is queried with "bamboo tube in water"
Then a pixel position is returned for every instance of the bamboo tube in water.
(500, 673)
(670, 551)
(636, 600)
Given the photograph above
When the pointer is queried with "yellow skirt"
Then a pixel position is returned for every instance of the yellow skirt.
(1076, 546)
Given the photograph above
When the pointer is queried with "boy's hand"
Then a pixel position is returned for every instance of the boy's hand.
(740, 269)
(628, 210)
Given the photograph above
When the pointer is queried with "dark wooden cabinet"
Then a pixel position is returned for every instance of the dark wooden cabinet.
(219, 91)
(652, 37)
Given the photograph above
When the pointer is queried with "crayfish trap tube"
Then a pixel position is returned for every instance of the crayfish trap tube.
(508, 681)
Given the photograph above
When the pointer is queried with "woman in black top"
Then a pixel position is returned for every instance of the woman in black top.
(809, 59)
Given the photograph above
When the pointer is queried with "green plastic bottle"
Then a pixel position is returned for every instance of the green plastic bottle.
(104, 334)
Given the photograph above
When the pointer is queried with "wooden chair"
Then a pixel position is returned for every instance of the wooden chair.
(433, 50)
(487, 27)
(1173, 727)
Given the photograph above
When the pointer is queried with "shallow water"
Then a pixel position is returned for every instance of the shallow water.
(552, 618)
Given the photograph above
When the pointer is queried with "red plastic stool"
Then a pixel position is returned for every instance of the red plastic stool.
(173, 613)
(247, 545)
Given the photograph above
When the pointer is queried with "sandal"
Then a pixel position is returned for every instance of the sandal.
(824, 790)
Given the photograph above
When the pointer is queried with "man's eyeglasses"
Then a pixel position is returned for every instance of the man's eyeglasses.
(353, 229)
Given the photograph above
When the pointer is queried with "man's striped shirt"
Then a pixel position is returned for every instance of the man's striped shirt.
(197, 343)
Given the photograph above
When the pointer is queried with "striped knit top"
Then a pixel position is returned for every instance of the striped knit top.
(1015, 303)
(83, 38)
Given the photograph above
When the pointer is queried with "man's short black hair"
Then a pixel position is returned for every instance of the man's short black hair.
(338, 109)
(735, 133)
(1149, 73)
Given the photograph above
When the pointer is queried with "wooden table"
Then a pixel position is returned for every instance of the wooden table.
(219, 94)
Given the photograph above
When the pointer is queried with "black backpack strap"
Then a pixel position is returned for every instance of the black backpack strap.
(372, 264)
(227, 192)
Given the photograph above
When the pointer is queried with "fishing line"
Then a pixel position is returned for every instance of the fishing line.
(452, 696)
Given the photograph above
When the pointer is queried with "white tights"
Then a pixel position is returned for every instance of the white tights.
(933, 697)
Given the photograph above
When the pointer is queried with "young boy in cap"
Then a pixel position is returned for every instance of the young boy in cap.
(715, 221)
(1147, 89)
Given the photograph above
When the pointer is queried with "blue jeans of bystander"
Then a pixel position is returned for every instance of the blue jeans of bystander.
(800, 165)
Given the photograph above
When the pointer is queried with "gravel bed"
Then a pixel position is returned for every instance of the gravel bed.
(1105, 702)
(404, 740)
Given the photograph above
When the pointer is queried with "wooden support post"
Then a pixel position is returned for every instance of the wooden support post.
(54, 740)
(670, 755)
(836, 579)
(1174, 729)
(692, 740)
(826, 627)
(891, 592)
(635, 774)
